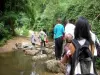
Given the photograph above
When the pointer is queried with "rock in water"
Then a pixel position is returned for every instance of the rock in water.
(54, 66)
(39, 57)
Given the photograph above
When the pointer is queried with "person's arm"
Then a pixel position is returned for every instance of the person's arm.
(69, 53)
(63, 31)
(64, 59)
(54, 30)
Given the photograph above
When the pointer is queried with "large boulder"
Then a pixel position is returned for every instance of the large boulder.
(54, 66)
(48, 51)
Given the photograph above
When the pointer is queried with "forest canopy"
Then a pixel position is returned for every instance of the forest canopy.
(36, 14)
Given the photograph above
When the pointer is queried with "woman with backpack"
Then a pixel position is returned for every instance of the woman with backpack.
(80, 51)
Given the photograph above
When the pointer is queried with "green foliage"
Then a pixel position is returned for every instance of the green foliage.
(96, 27)
(98, 63)
(3, 41)
(22, 20)
(3, 31)
(23, 31)
(37, 14)
(4, 34)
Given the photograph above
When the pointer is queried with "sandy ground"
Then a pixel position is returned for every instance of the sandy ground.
(11, 43)
(8, 47)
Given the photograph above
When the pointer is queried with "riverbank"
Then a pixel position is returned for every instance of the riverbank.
(11, 44)
(8, 47)
(17, 59)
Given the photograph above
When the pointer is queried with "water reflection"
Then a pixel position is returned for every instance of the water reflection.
(15, 63)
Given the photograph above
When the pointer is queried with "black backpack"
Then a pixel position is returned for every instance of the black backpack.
(82, 60)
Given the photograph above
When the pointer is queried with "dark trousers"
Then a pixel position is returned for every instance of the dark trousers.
(58, 47)
(33, 44)
(43, 43)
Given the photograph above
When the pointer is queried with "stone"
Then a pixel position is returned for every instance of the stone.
(52, 55)
(54, 66)
(48, 51)
(39, 57)
(31, 52)
(24, 46)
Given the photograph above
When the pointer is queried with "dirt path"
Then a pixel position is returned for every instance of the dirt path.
(11, 43)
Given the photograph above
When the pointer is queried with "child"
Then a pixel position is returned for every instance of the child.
(43, 37)
(33, 39)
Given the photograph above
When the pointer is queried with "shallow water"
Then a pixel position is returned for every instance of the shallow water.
(17, 63)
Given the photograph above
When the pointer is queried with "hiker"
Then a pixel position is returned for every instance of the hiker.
(42, 37)
(58, 37)
(33, 40)
(80, 51)
(69, 33)
(69, 28)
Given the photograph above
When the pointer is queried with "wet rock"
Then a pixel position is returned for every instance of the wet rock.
(39, 57)
(31, 52)
(52, 46)
(48, 51)
(24, 46)
(52, 55)
(54, 66)
(38, 48)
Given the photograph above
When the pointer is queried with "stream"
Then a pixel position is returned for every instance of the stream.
(17, 63)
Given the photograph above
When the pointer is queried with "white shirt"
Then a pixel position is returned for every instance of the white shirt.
(69, 29)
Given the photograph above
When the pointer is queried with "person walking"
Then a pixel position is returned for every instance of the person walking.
(42, 37)
(69, 29)
(58, 37)
(82, 36)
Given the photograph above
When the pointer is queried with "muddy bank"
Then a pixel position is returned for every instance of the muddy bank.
(11, 43)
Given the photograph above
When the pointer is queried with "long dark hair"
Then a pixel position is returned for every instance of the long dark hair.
(82, 30)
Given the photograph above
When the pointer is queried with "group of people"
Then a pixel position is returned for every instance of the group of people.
(41, 37)
(79, 32)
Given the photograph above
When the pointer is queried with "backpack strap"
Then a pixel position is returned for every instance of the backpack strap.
(76, 44)
(74, 56)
